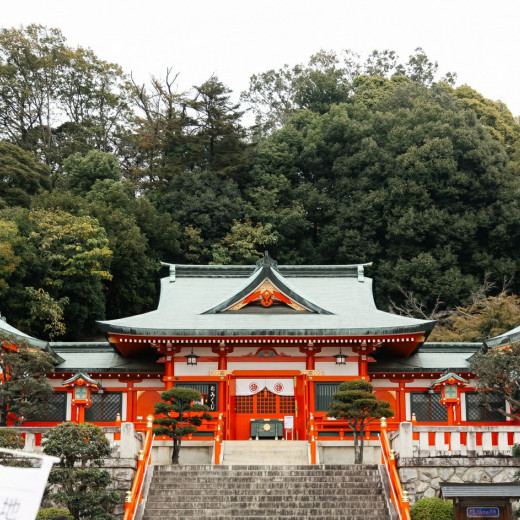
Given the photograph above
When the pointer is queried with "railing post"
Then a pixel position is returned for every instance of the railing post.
(399, 497)
(128, 503)
(405, 501)
(405, 441)
(135, 495)
(218, 440)
(312, 438)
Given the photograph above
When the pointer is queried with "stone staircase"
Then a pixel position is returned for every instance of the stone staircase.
(266, 453)
(256, 492)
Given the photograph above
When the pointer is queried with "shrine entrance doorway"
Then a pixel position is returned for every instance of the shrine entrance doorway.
(259, 407)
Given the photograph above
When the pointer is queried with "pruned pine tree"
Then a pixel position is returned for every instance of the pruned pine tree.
(182, 415)
(496, 372)
(356, 403)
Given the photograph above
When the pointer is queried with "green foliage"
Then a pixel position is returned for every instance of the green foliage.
(349, 161)
(180, 409)
(78, 482)
(496, 371)
(244, 243)
(21, 176)
(8, 258)
(205, 201)
(401, 175)
(356, 403)
(56, 100)
(51, 513)
(83, 172)
(11, 439)
(432, 509)
(484, 318)
(25, 391)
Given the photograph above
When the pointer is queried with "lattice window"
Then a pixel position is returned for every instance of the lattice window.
(55, 409)
(477, 411)
(427, 407)
(244, 403)
(105, 407)
(286, 404)
(208, 391)
(266, 402)
(323, 395)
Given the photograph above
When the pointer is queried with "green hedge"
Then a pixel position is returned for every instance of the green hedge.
(432, 509)
(52, 512)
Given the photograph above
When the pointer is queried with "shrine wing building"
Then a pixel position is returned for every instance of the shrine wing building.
(262, 343)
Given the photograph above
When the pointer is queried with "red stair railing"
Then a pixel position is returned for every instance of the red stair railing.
(218, 439)
(144, 459)
(399, 497)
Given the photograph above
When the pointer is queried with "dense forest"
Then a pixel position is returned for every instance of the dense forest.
(344, 161)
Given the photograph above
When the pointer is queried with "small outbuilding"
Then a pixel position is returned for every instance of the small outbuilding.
(474, 501)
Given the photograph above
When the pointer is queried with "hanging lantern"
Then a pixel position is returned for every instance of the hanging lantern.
(191, 359)
(341, 358)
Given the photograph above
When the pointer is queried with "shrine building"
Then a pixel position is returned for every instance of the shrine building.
(262, 343)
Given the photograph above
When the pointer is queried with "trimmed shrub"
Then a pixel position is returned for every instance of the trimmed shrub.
(79, 483)
(11, 439)
(432, 509)
(51, 513)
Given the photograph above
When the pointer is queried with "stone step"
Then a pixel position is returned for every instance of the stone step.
(262, 452)
(245, 516)
(345, 505)
(317, 488)
(269, 491)
(283, 470)
(180, 496)
(272, 514)
(274, 467)
(258, 480)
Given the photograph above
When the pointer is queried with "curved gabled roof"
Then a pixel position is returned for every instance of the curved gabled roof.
(506, 338)
(9, 330)
(267, 270)
(338, 297)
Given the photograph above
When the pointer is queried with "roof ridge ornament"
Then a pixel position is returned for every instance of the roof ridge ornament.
(267, 261)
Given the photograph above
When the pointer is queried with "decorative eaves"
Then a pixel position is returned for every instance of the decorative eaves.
(266, 284)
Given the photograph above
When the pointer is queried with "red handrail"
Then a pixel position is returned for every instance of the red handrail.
(312, 438)
(399, 497)
(144, 459)
(218, 438)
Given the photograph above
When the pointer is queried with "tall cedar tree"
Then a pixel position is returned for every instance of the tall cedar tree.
(23, 388)
(356, 403)
(78, 482)
(497, 371)
(181, 416)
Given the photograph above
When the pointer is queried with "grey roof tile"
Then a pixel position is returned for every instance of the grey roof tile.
(350, 301)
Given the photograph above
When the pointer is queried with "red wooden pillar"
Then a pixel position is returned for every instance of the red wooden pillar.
(310, 362)
(130, 402)
(169, 367)
(222, 386)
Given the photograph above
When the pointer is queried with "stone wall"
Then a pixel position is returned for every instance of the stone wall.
(422, 477)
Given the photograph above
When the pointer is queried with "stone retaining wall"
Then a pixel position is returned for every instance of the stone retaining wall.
(422, 477)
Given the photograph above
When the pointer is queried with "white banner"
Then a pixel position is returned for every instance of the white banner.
(21, 489)
(276, 386)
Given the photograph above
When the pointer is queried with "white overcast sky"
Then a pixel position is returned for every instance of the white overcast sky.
(479, 40)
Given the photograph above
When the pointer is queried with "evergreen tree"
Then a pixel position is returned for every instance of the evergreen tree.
(180, 407)
(79, 483)
(356, 403)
